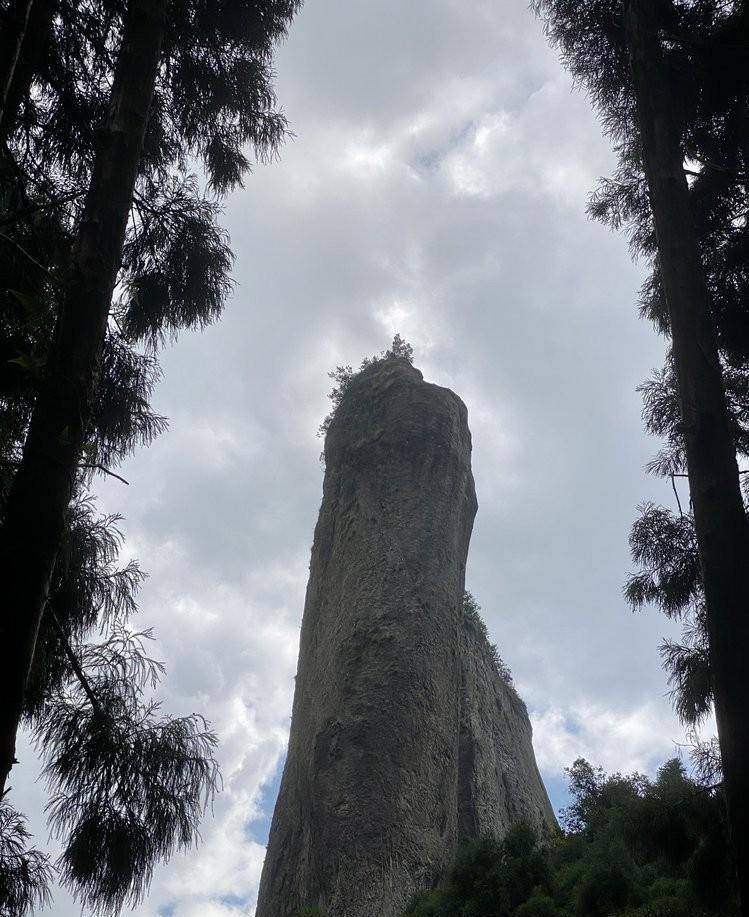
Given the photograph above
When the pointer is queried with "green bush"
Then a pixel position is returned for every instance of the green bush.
(427, 905)
(605, 888)
(632, 848)
(538, 905)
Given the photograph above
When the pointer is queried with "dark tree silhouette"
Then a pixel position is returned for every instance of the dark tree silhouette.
(43, 484)
(96, 193)
(671, 84)
(719, 516)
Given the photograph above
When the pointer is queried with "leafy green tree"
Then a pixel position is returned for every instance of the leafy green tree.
(632, 848)
(489, 877)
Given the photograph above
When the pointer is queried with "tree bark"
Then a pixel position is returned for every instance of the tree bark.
(12, 34)
(36, 34)
(720, 520)
(43, 485)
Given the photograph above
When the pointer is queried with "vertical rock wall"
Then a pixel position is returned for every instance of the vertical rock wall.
(499, 783)
(385, 702)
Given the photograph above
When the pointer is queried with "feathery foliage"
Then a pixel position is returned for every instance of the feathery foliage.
(127, 786)
(90, 591)
(25, 873)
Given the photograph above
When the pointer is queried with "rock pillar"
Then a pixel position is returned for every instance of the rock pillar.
(366, 811)
(386, 708)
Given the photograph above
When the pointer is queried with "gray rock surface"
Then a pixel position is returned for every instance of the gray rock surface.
(390, 699)
(498, 783)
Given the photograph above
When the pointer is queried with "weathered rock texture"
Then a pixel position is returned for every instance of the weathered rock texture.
(392, 697)
(498, 780)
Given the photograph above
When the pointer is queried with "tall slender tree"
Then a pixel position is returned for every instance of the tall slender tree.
(670, 81)
(128, 785)
(719, 515)
(43, 485)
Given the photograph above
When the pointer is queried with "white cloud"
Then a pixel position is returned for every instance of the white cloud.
(626, 740)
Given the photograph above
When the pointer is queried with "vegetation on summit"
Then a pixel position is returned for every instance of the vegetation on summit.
(342, 375)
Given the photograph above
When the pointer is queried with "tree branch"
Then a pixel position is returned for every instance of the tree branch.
(17, 215)
(75, 665)
(31, 258)
(105, 471)
(676, 494)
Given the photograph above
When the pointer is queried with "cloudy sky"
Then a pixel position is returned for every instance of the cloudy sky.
(435, 186)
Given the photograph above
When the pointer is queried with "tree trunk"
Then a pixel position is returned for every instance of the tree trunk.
(43, 485)
(12, 34)
(38, 26)
(720, 520)
(21, 51)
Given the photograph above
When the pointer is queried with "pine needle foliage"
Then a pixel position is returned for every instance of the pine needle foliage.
(178, 262)
(91, 591)
(705, 48)
(127, 786)
(688, 665)
(123, 420)
(664, 547)
(214, 105)
(25, 873)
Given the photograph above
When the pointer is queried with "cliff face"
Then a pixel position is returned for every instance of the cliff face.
(498, 783)
(396, 720)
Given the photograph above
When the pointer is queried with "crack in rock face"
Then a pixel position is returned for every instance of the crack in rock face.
(404, 738)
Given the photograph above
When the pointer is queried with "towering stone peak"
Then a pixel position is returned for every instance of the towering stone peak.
(404, 737)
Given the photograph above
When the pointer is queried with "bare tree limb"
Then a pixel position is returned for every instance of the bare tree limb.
(105, 471)
(76, 665)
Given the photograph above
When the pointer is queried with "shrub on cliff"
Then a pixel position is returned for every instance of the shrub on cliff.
(475, 624)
